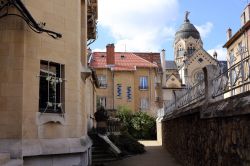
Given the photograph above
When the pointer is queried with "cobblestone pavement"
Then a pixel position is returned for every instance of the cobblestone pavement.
(155, 156)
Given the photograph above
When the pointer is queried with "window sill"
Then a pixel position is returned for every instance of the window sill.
(43, 118)
(102, 87)
(143, 89)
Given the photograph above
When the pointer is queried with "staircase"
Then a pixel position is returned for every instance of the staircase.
(101, 151)
(6, 161)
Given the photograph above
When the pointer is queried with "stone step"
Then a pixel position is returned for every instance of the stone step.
(102, 155)
(103, 160)
(4, 158)
(14, 162)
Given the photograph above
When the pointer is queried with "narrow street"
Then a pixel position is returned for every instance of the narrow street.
(156, 155)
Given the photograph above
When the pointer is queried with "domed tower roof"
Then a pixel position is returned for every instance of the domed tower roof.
(186, 30)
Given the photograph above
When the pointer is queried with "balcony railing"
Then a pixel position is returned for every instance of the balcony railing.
(236, 79)
(92, 19)
(114, 125)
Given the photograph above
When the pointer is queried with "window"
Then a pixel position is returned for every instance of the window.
(199, 76)
(190, 50)
(143, 82)
(180, 52)
(232, 58)
(144, 103)
(129, 95)
(51, 90)
(103, 81)
(233, 77)
(241, 48)
(101, 101)
(119, 90)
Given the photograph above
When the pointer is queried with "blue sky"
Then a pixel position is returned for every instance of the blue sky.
(150, 25)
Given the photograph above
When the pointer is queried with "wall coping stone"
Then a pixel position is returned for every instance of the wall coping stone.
(220, 108)
(36, 147)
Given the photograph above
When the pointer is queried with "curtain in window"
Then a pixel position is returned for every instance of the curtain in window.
(144, 103)
(143, 82)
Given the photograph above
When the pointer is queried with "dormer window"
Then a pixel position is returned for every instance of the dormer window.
(102, 55)
(122, 56)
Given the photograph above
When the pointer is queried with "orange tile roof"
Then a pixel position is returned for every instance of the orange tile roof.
(123, 61)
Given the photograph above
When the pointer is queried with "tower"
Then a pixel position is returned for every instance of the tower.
(187, 41)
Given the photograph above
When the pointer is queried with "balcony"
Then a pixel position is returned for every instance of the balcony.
(92, 19)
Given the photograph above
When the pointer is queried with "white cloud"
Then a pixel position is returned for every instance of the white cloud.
(141, 25)
(221, 52)
(205, 29)
(99, 50)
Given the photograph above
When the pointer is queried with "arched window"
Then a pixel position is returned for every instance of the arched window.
(190, 49)
(180, 51)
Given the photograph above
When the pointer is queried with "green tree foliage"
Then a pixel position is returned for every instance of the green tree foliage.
(139, 125)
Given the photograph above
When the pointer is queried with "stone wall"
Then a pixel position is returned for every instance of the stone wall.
(222, 141)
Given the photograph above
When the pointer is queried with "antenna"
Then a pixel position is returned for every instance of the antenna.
(125, 48)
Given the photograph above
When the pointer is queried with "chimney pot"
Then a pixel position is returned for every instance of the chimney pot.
(229, 33)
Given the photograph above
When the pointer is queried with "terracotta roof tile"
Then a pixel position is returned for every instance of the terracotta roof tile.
(152, 57)
(123, 61)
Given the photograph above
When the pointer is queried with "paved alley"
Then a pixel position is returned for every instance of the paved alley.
(155, 156)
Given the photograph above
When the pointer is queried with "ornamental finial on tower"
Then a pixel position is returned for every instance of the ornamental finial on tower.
(186, 16)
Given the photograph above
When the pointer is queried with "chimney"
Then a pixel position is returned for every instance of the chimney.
(110, 51)
(215, 55)
(229, 34)
(163, 60)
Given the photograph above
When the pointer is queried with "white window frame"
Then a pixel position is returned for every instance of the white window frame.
(55, 81)
(144, 103)
(102, 80)
(143, 83)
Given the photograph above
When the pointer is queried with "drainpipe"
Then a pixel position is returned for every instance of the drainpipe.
(113, 77)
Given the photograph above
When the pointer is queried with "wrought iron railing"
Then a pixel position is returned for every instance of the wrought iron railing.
(236, 79)
(193, 94)
(113, 125)
(169, 107)
(217, 82)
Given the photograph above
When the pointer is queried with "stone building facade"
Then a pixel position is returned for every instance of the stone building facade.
(47, 92)
(189, 59)
(127, 79)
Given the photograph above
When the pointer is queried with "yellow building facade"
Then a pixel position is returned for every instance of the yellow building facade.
(47, 92)
(128, 80)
